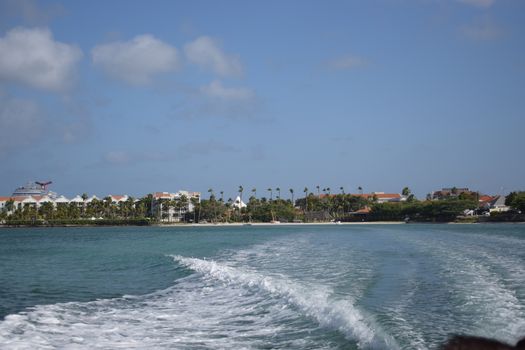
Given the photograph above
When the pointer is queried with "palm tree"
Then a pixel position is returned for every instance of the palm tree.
(222, 196)
(196, 205)
(107, 205)
(210, 191)
(360, 189)
(291, 192)
(318, 194)
(182, 203)
(271, 193)
(306, 198)
(342, 190)
(10, 205)
(254, 190)
(241, 189)
(328, 190)
(278, 189)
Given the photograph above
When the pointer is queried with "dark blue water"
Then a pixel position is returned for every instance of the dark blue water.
(300, 287)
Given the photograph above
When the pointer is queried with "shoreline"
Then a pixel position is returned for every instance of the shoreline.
(227, 224)
(262, 224)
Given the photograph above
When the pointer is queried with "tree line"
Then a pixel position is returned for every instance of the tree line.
(311, 207)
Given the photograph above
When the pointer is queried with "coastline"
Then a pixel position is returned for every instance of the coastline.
(227, 224)
(262, 224)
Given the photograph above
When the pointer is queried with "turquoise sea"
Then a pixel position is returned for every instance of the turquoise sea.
(260, 287)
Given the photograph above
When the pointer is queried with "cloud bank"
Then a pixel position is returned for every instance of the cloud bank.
(136, 61)
(217, 91)
(32, 57)
(206, 52)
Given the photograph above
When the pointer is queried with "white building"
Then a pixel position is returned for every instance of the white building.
(238, 203)
(172, 207)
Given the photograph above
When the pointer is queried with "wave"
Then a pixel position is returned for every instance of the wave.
(313, 301)
(482, 284)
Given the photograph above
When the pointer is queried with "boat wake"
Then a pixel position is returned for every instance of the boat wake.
(313, 301)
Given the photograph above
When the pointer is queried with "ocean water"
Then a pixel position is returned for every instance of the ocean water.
(278, 287)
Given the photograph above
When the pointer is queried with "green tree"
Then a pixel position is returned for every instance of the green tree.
(516, 200)
(10, 205)
(46, 210)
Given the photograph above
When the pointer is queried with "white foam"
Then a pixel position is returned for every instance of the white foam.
(194, 313)
(488, 304)
(313, 301)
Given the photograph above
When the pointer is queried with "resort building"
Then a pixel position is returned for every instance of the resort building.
(498, 205)
(172, 207)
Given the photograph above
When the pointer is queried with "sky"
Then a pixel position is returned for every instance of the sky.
(133, 97)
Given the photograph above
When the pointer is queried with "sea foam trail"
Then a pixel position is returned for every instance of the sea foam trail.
(481, 289)
(193, 314)
(314, 302)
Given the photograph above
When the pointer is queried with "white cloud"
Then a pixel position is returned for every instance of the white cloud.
(479, 3)
(216, 90)
(205, 52)
(482, 29)
(117, 157)
(138, 60)
(32, 57)
(347, 62)
(21, 124)
(218, 101)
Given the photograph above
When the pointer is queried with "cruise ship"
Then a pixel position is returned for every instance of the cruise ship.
(34, 189)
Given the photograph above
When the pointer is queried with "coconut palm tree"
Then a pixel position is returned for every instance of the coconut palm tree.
(360, 189)
(342, 190)
(254, 190)
(278, 189)
(222, 196)
(241, 189)
(271, 193)
(318, 194)
(291, 192)
(10, 205)
(306, 198)
(328, 190)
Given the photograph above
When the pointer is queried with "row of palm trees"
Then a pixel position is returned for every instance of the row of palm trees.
(325, 190)
(97, 208)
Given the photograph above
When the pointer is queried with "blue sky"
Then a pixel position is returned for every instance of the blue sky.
(139, 96)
